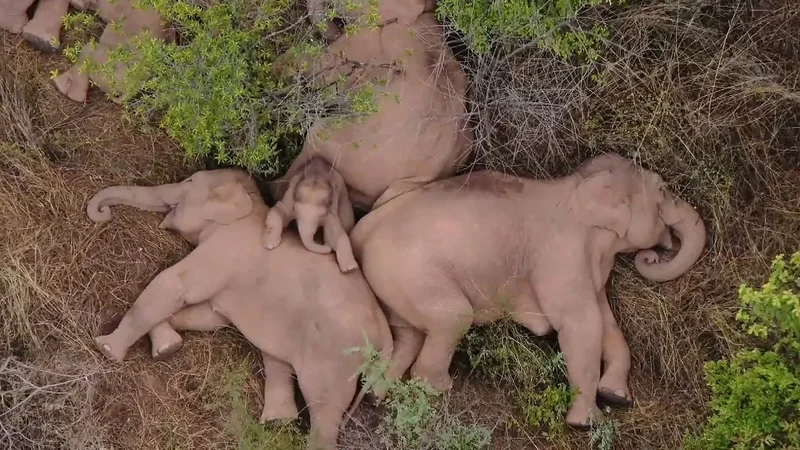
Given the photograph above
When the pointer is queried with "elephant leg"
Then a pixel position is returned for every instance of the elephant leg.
(613, 387)
(279, 401)
(526, 312)
(407, 344)
(447, 325)
(43, 31)
(190, 281)
(572, 307)
(337, 238)
(165, 340)
(327, 398)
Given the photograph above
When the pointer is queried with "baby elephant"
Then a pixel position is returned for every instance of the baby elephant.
(316, 196)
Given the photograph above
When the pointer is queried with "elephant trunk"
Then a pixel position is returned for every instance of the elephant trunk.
(155, 198)
(691, 232)
(307, 229)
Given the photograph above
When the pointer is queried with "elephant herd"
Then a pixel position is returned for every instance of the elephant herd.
(436, 252)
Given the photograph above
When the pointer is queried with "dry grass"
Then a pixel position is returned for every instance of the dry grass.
(705, 95)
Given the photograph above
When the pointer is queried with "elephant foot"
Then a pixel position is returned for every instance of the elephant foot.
(166, 345)
(441, 382)
(71, 85)
(84, 5)
(346, 263)
(13, 23)
(613, 388)
(581, 415)
(619, 398)
(109, 348)
(41, 38)
(280, 411)
(271, 240)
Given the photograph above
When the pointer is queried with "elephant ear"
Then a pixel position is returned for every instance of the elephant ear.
(227, 203)
(601, 201)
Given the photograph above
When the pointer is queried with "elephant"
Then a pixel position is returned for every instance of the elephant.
(295, 306)
(43, 31)
(316, 196)
(129, 22)
(418, 134)
(476, 247)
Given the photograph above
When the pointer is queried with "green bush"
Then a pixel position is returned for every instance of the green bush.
(218, 92)
(417, 418)
(535, 375)
(487, 23)
(756, 394)
(250, 434)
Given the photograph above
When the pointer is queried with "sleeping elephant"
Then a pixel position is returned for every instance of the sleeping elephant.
(418, 134)
(316, 197)
(293, 305)
(473, 248)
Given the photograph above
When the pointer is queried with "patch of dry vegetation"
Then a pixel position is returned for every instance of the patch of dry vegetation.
(704, 94)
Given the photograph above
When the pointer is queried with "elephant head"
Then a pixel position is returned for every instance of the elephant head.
(614, 193)
(207, 197)
(315, 192)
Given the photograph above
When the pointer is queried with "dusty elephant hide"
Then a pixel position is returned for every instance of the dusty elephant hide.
(419, 133)
(293, 305)
(43, 30)
(473, 248)
(317, 196)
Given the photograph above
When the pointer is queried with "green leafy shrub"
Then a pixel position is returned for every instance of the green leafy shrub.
(486, 23)
(535, 375)
(219, 92)
(250, 434)
(756, 393)
(417, 418)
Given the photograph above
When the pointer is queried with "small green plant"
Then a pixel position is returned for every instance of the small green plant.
(417, 418)
(604, 433)
(242, 424)
(487, 23)
(535, 375)
(756, 394)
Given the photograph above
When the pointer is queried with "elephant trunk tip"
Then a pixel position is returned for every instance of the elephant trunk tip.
(98, 213)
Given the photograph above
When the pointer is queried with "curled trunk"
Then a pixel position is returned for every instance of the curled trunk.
(307, 230)
(690, 230)
(156, 198)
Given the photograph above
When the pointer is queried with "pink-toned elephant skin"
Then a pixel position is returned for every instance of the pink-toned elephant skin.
(480, 246)
(295, 306)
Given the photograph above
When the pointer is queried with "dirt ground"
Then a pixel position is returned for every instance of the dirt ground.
(64, 279)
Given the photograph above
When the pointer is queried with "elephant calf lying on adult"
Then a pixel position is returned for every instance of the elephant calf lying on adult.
(294, 305)
(469, 249)
(316, 197)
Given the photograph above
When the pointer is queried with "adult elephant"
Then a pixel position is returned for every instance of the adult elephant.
(295, 306)
(475, 247)
(418, 134)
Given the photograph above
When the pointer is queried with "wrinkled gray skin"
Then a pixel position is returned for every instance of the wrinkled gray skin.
(317, 196)
(418, 134)
(469, 249)
(294, 305)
